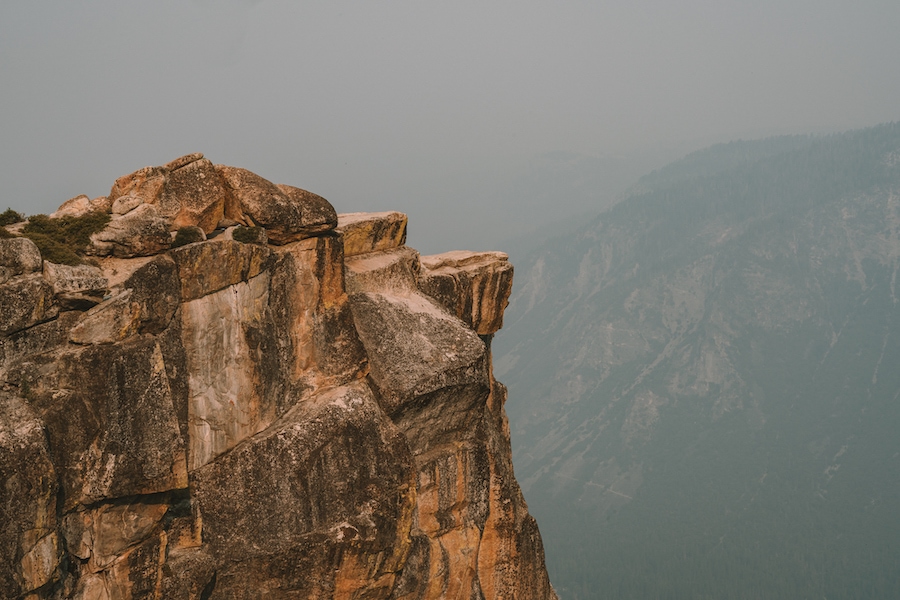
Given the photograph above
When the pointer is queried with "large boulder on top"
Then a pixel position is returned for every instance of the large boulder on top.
(287, 213)
(317, 215)
(143, 186)
(193, 194)
(186, 191)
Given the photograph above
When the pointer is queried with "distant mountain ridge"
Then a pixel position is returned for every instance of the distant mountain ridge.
(704, 378)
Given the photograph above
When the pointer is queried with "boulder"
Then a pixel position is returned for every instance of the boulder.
(287, 214)
(18, 256)
(82, 205)
(73, 207)
(111, 321)
(431, 371)
(474, 286)
(370, 232)
(186, 191)
(193, 194)
(145, 185)
(317, 213)
(140, 232)
(156, 290)
(125, 204)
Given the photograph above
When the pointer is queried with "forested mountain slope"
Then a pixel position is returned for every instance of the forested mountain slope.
(705, 379)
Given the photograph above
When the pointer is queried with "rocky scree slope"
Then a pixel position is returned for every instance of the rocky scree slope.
(296, 405)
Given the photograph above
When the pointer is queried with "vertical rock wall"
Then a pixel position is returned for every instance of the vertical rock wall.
(312, 417)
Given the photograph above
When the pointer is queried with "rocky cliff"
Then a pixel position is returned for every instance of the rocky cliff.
(273, 402)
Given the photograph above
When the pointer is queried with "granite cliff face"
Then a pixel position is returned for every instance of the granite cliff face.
(296, 405)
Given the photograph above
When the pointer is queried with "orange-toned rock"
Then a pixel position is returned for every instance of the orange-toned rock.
(370, 232)
(144, 184)
(193, 194)
(186, 191)
(287, 213)
(311, 418)
(475, 286)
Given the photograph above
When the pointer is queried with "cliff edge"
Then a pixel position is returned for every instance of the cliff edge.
(242, 394)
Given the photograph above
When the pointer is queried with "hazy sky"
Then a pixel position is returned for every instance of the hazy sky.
(419, 106)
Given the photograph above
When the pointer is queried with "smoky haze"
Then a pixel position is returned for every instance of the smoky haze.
(480, 120)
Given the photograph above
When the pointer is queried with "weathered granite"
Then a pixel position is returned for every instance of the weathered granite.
(29, 543)
(18, 256)
(475, 286)
(370, 232)
(193, 194)
(287, 213)
(25, 301)
(140, 232)
(86, 279)
(313, 417)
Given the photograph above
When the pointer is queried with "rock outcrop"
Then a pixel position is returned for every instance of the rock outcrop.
(300, 407)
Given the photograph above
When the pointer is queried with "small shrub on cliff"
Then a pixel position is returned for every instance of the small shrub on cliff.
(187, 235)
(9, 216)
(4, 234)
(63, 240)
(248, 235)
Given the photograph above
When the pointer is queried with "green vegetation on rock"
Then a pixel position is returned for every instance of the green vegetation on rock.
(187, 235)
(64, 240)
(249, 235)
(9, 216)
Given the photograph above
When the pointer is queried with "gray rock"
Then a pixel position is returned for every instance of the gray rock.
(415, 347)
(141, 232)
(24, 302)
(66, 279)
(393, 271)
(29, 546)
(18, 256)
(110, 419)
(331, 483)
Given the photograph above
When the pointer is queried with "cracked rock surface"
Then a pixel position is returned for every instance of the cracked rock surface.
(308, 415)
